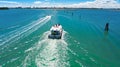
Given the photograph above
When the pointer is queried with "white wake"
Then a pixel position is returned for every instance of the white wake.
(48, 53)
(23, 31)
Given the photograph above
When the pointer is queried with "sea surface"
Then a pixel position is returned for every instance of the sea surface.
(24, 38)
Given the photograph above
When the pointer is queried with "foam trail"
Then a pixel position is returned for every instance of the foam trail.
(24, 31)
(47, 53)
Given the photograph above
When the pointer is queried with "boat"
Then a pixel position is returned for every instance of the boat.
(55, 32)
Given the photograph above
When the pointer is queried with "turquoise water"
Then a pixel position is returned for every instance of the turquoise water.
(24, 42)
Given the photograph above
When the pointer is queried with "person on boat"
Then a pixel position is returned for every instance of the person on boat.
(60, 26)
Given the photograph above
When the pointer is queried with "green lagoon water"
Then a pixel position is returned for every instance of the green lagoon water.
(24, 42)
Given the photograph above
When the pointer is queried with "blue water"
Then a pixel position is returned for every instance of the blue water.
(24, 42)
